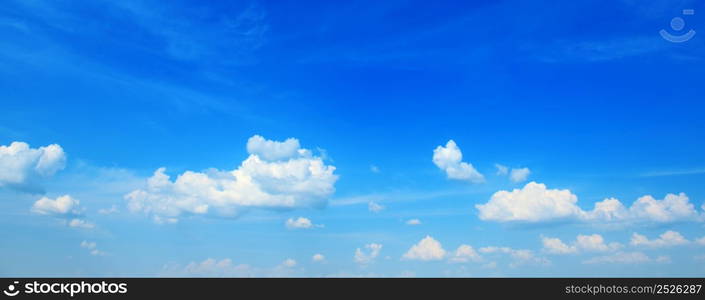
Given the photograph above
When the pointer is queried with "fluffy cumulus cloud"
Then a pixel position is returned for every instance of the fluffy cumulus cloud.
(426, 249)
(449, 159)
(80, 223)
(532, 203)
(667, 239)
(671, 208)
(276, 175)
(537, 203)
(368, 255)
(582, 243)
(63, 207)
(556, 246)
(465, 253)
(300, 223)
(22, 167)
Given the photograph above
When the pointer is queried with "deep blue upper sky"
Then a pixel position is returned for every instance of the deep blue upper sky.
(586, 94)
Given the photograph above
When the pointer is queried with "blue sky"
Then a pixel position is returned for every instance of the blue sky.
(404, 138)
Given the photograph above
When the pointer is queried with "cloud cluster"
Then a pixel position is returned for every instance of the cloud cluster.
(536, 203)
(92, 248)
(582, 243)
(667, 239)
(63, 207)
(515, 175)
(21, 167)
(368, 256)
(211, 268)
(227, 268)
(449, 159)
(276, 175)
(80, 223)
(429, 249)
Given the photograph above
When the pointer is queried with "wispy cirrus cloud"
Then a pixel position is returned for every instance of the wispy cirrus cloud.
(681, 172)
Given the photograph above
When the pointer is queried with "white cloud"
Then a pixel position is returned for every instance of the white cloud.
(79, 223)
(532, 203)
(273, 150)
(21, 166)
(374, 169)
(300, 223)
(536, 203)
(620, 258)
(211, 268)
(501, 170)
(374, 207)
(88, 245)
(289, 263)
(366, 257)
(92, 248)
(413, 222)
(159, 220)
(465, 253)
(519, 256)
(109, 211)
(671, 208)
(318, 257)
(556, 246)
(582, 243)
(667, 239)
(276, 175)
(610, 210)
(427, 249)
(449, 159)
(515, 175)
(63, 205)
(595, 243)
(519, 175)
